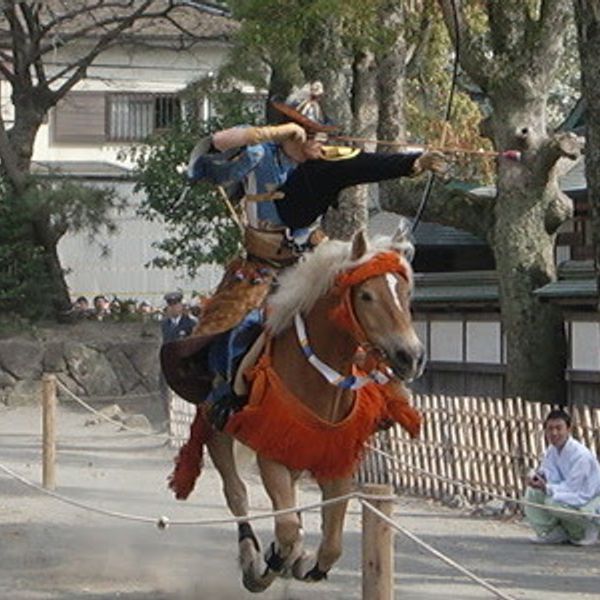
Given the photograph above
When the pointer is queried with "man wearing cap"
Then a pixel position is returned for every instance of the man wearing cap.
(176, 325)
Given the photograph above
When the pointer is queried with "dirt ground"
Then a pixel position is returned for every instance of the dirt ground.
(53, 551)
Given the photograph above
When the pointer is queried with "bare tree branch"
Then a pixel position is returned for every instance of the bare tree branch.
(32, 22)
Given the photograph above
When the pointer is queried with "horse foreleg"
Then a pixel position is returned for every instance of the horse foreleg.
(280, 486)
(220, 448)
(332, 525)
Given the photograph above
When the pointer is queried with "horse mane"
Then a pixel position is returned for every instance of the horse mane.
(303, 284)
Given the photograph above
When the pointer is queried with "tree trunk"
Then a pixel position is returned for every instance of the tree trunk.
(352, 212)
(390, 85)
(523, 243)
(349, 100)
(587, 13)
(42, 233)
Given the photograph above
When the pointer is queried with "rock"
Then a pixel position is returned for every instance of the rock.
(137, 421)
(455, 501)
(71, 385)
(21, 358)
(91, 370)
(129, 378)
(112, 412)
(54, 360)
(6, 379)
(24, 392)
(493, 508)
(144, 358)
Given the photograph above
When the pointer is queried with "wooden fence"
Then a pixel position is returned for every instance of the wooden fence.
(488, 444)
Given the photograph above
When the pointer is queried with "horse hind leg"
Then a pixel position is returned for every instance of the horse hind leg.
(311, 568)
(220, 448)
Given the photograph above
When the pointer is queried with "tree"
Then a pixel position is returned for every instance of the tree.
(587, 14)
(511, 50)
(31, 32)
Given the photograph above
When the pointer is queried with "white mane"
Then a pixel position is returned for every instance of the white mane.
(302, 285)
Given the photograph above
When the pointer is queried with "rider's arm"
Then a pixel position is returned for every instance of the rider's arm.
(249, 136)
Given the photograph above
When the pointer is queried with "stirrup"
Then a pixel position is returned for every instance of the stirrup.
(221, 409)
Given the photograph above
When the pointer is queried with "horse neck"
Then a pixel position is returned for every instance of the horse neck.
(334, 347)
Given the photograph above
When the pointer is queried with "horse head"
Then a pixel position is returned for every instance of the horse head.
(379, 293)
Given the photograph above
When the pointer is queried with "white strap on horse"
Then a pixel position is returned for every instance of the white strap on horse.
(349, 382)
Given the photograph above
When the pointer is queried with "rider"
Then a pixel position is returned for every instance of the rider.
(290, 177)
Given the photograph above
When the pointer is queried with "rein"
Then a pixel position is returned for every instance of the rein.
(344, 316)
(346, 382)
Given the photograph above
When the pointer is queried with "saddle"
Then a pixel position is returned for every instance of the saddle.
(188, 364)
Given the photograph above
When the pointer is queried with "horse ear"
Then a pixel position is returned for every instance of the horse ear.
(359, 245)
(402, 239)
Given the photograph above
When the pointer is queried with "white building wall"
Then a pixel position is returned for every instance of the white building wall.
(483, 342)
(122, 272)
(585, 346)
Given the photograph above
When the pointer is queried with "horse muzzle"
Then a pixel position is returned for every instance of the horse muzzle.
(407, 362)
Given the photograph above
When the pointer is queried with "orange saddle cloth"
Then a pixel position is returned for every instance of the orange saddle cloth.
(277, 425)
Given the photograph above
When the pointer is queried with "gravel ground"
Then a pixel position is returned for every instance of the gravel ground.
(53, 551)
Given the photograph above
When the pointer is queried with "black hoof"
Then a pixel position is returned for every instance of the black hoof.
(245, 532)
(315, 574)
(273, 559)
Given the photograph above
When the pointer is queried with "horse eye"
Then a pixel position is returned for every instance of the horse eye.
(366, 296)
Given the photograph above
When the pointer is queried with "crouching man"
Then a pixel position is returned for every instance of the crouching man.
(569, 477)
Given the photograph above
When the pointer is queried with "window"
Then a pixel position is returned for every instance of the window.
(80, 118)
(133, 116)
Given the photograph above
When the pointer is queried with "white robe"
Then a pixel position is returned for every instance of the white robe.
(572, 474)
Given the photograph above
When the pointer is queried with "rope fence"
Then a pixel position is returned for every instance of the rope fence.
(477, 448)
(482, 447)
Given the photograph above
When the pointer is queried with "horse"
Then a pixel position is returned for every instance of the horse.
(346, 299)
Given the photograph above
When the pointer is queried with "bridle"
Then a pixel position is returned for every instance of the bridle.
(344, 316)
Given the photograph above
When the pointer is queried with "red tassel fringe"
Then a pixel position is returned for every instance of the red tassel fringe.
(189, 461)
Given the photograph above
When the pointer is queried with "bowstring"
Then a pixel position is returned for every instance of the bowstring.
(447, 115)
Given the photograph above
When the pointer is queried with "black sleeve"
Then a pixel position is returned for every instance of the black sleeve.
(314, 185)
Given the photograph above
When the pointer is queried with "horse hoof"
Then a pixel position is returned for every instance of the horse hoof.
(315, 574)
(257, 585)
(303, 571)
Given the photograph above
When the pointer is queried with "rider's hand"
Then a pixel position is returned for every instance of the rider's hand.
(433, 161)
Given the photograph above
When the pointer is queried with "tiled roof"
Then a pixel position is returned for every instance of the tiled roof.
(576, 283)
(184, 21)
(457, 288)
(81, 169)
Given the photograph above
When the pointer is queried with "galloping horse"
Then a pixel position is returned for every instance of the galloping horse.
(305, 408)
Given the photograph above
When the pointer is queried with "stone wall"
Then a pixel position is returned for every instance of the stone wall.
(102, 361)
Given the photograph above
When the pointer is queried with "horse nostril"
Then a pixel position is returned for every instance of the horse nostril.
(403, 357)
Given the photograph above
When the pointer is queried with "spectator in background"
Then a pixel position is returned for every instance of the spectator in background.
(101, 309)
(569, 477)
(81, 307)
(176, 324)
(144, 310)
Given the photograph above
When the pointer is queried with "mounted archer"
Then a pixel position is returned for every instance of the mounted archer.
(290, 178)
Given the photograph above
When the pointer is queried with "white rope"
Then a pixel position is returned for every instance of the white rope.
(163, 522)
(465, 485)
(435, 552)
(125, 397)
(106, 417)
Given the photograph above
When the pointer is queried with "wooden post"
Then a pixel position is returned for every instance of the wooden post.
(377, 547)
(49, 431)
